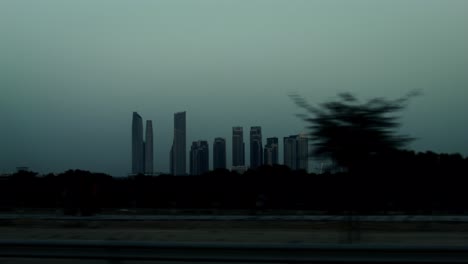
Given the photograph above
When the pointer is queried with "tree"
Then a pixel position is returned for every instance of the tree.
(350, 132)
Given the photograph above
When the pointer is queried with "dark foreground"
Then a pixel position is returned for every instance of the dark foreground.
(42, 237)
(228, 252)
(238, 231)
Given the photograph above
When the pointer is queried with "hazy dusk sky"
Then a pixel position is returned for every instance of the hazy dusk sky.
(72, 72)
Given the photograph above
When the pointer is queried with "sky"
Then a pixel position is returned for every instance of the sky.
(72, 72)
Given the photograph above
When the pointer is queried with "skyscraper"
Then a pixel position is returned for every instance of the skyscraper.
(296, 152)
(149, 147)
(219, 153)
(302, 152)
(137, 144)
(270, 156)
(238, 154)
(179, 149)
(199, 157)
(290, 152)
(256, 148)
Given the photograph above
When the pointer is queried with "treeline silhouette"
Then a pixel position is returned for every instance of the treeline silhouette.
(397, 181)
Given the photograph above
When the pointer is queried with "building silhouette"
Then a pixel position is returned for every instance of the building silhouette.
(178, 150)
(296, 152)
(199, 157)
(137, 144)
(303, 152)
(149, 147)
(219, 153)
(238, 146)
(142, 150)
(290, 152)
(270, 156)
(256, 148)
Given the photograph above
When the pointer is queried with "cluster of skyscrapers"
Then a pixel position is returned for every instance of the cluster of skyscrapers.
(295, 152)
(142, 150)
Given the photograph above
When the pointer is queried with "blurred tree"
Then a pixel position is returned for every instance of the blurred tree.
(350, 132)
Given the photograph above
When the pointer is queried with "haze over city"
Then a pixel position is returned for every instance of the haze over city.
(73, 72)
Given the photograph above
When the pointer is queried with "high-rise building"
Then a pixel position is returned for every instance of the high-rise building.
(179, 150)
(270, 156)
(137, 144)
(199, 157)
(296, 152)
(290, 152)
(238, 153)
(219, 153)
(303, 152)
(149, 147)
(256, 148)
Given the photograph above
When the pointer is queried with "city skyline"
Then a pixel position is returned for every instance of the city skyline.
(296, 152)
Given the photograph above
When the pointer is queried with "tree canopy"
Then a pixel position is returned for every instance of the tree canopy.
(350, 131)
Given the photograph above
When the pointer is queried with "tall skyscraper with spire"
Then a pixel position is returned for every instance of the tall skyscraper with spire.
(149, 147)
(256, 148)
(179, 150)
(137, 144)
(238, 153)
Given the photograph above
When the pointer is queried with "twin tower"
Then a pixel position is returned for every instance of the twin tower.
(142, 150)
